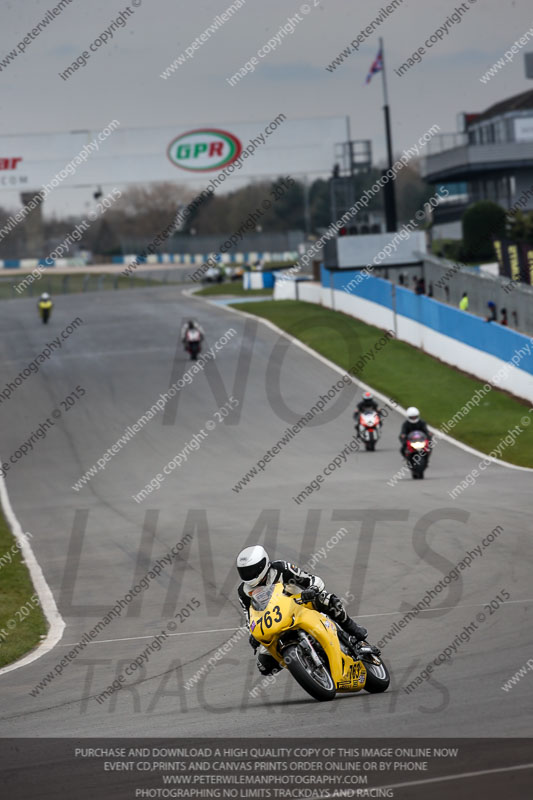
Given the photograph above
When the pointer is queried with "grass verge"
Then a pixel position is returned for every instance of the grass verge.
(67, 284)
(233, 289)
(18, 633)
(407, 374)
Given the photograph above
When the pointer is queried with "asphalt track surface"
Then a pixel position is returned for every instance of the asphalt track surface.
(400, 540)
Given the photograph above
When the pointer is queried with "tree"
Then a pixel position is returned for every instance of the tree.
(412, 192)
(12, 243)
(520, 227)
(482, 221)
(106, 241)
(287, 211)
(144, 211)
(228, 213)
(320, 204)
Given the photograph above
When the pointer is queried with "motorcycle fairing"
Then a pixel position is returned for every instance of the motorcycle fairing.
(274, 613)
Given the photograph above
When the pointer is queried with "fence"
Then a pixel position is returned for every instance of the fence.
(56, 284)
(455, 337)
(448, 281)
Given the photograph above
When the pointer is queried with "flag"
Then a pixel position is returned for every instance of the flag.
(376, 67)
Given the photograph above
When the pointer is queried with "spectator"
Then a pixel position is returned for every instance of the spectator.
(430, 290)
(493, 317)
(420, 286)
(463, 303)
(503, 320)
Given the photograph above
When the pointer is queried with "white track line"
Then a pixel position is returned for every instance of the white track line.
(359, 616)
(457, 777)
(46, 598)
(151, 636)
(298, 343)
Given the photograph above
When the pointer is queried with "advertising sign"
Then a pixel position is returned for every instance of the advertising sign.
(204, 150)
(116, 155)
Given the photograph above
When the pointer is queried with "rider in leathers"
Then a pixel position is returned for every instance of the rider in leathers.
(413, 423)
(256, 569)
(367, 403)
(192, 326)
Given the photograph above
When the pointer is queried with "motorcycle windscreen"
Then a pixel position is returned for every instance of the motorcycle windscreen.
(261, 596)
(417, 436)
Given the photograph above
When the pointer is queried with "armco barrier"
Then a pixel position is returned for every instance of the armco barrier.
(155, 258)
(201, 258)
(457, 338)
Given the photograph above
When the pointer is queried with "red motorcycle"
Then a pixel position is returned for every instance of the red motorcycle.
(368, 428)
(193, 343)
(417, 449)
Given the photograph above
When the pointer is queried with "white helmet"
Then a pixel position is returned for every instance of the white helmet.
(253, 564)
(45, 296)
(413, 414)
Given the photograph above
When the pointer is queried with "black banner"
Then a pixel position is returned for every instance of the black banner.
(123, 769)
(515, 260)
(527, 263)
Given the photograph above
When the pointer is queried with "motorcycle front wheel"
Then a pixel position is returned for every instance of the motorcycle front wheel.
(315, 680)
(377, 676)
(419, 468)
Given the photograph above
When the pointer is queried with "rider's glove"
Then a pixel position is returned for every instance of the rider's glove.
(253, 643)
(309, 594)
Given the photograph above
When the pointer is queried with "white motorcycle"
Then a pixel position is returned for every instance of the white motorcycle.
(368, 428)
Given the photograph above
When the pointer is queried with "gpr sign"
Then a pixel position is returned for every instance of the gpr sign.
(188, 152)
(9, 163)
(204, 150)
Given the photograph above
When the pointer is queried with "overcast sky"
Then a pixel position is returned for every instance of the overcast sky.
(122, 80)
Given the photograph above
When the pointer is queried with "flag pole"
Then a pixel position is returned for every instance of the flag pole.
(390, 198)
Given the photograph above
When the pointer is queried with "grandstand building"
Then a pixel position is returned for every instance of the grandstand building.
(489, 158)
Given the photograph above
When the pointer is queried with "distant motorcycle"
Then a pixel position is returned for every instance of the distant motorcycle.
(45, 307)
(367, 428)
(213, 275)
(417, 449)
(193, 343)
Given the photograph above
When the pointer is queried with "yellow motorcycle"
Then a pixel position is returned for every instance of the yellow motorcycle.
(317, 652)
(45, 306)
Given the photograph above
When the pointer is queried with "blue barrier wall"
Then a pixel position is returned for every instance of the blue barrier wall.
(492, 338)
(266, 279)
